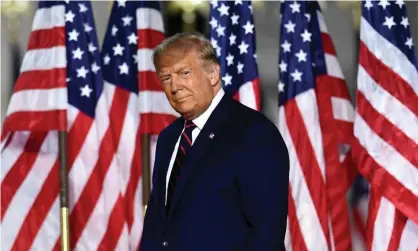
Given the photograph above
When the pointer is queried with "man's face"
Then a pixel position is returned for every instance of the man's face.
(188, 86)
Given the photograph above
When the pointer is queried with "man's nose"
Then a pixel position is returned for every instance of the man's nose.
(175, 85)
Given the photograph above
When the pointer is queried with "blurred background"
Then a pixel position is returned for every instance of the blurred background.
(342, 19)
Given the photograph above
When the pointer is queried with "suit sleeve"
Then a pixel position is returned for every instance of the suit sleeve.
(263, 177)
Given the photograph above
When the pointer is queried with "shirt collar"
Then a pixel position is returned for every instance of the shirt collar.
(201, 120)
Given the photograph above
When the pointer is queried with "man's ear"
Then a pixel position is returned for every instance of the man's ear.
(214, 74)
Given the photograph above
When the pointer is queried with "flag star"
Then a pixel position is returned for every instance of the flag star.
(230, 59)
(283, 66)
(82, 7)
(248, 27)
(67, 1)
(234, 19)
(409, 43)
(87, 28)
(227, 79)
(73, 35)
(368, 4)
(214, 23)
(296, 75)
(67, 80)
(243, 47)
(85, 91)
(286, 46)
(92, 48)
(135, 56)
(281, 86)
(82, 72)
(389, 22)
(240, 67)
(121, 3)
(290, 27)
(238, 2)
(69, 16)
(214, 43)
(218, 51)
(95, 68)
(224, 10)
(78, 53)
(400, 3)
(232, 39)
(295, 7)
(255, 56)
(306, 36)
(301, 55)
(220, 30)
(127, 20)
(214, 3)
(250, 7)
(384, 3)
(308, 16)
(132, 38)
(118, 50)
(405, 22)
(114, 30)
(106, 59)
(123, 69)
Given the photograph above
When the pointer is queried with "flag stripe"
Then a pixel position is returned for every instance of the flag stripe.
(297, 240)
(114, 227)
(149, 18)
(51, 227)
(41, 79)
(38, 100)
(36, 121)
(145, 60)
(409, 240)
(43, 39)
(44, 59)
(48, 18)
(327, 44)
(149, 38)
(12, 152)
(383, 225)
(333, 68)
(398, 228)
(149, 81)
(342, 109)
(249, 93)
(155, 102)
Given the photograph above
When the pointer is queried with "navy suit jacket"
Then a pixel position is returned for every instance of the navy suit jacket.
(233, 189)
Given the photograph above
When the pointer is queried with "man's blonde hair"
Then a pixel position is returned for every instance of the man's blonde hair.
(183, 43)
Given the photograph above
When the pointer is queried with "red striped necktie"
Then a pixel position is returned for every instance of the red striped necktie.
(183, 149)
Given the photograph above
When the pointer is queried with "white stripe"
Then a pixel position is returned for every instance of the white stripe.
(306, 214)
(389, 54)
(136, 229)
(148, 18)
(47, 18)
(288, 237)
(333, 67)
(13, 151)
(72, 113)
(308, 108)
(383, 225)
(155, 102)
(50, 229)
(3, 142)
(386, 156)
(387, 105)
(322, 23)
(123, 242)
(38, 100)
(145, 62)
(247, 95)
(342, 109)
(44, 59)
(28, 191)
(409, 238)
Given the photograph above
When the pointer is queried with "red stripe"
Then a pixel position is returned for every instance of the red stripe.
(20, 170)
(374, 204)
(134, 177)
(41, 79)
(53, 120)
(39, 211)
(154, 123)
(399, 223)
(256, 88)
(384, 182)
(149, 39)
(359, 224)
(388, 79)
(114, 226)
(149, 81)
(327, 44)
(336, 177)
(335, 86)
(187, 138)
(387, 131)
(46, 38)
(344, 131)
(308, 163)
(77, 135)
(298, 243)
(93, 188)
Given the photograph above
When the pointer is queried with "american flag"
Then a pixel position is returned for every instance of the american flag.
(60, 88)
(315, 119)
(232, 33)
(139, 104)
(386, 122)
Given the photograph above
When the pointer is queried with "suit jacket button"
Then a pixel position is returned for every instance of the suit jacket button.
(165, 244)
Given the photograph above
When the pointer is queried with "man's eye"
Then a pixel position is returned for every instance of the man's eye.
(186, 73)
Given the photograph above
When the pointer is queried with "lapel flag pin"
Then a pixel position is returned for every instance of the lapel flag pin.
(211, 136)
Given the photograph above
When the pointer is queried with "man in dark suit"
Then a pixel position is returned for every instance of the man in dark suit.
(221, 172)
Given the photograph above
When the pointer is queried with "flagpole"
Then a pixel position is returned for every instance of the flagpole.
(64, 205)
(146, 170)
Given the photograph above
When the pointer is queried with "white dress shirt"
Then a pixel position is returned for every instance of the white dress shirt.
(199, 122)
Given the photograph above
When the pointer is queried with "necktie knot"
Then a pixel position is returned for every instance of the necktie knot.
(189, 124)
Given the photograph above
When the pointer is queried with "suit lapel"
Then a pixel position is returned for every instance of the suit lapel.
(201, 146)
